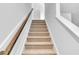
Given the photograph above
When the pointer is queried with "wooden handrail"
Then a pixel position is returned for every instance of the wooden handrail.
(15, 37)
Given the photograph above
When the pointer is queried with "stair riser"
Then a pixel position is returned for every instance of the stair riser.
(39, 53)
(30, 52)
(38, 40)
(38, 24)
(38, 30)
(38, 34)
(38, 46)
(38, 27)
(38, 21)
(43, 37)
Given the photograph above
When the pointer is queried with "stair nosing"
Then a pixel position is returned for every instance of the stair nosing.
(39, 43)
(52, 51)
(39, 37)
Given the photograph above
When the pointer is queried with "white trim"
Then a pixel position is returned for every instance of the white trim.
(67, 23)
(57, 9)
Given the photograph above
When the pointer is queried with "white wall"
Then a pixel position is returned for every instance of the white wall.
(10, 15)
(72, 8)
(65, 41)
(38, 12)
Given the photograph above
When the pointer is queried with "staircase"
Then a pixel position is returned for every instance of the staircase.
(39, 40)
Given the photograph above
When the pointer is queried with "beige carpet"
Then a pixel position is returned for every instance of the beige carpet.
(39, 40)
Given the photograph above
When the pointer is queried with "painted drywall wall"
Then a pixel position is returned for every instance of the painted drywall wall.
(50, 14)
(72, 8)
(10, 15)
(63, 38)
(38, 11)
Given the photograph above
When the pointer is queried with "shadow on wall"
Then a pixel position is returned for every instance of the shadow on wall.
(72, 8)
(75, 19)
(70, 32)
